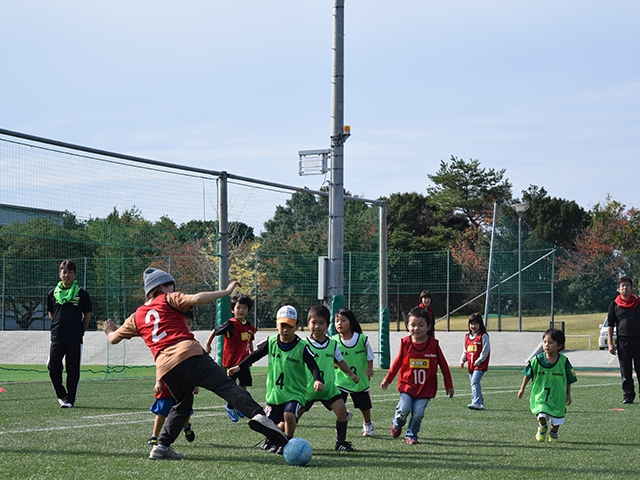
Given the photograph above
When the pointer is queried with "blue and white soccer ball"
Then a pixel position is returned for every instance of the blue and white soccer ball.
(297, 451)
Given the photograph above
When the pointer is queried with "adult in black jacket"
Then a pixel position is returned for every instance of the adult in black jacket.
(624, 315)
(69, 308)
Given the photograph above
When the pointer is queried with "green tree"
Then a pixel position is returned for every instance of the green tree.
(465, 188)
(416, 225)
(554, 220)
(298, 227)
(604, 251)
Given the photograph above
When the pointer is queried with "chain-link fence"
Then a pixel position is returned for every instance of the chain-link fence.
(116, 215)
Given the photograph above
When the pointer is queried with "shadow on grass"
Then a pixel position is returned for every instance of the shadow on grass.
(416, 456)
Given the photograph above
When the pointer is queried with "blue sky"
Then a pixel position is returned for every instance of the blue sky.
(548, 90)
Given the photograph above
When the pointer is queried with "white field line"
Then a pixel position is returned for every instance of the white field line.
(117, 419)
(125, 417)
(385, 397)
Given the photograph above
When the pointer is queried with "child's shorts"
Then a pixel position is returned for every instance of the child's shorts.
(276, 412)
(554, 421)
(162, 406)
(327, 403)
(243, 377)
(361, 400)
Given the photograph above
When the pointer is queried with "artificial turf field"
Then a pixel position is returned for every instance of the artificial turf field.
(104, 435)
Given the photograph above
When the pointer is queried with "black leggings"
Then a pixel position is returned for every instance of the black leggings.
(201, 371)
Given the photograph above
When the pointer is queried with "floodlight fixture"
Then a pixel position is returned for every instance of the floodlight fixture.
(313, 162)
(520, 207)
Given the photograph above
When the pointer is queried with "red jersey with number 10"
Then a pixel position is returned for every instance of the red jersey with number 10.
(417, 364)
(161, 325)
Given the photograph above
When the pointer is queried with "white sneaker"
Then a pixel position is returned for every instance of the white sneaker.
(162, 452)
(263, 424)
(367, 429)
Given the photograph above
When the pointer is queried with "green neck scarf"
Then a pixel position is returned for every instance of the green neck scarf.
(65, 295)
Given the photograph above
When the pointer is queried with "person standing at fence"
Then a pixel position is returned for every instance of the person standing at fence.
(624, 314)
(426, 299)
(69, 308)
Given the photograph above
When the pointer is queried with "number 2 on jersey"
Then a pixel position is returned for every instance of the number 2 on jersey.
(155, 336)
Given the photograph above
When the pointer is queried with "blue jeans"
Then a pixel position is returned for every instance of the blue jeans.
(416, 406)
(476, 389)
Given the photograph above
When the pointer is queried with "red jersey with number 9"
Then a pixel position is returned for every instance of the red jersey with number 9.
(161, 325)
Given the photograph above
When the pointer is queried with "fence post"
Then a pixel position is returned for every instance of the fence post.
(337, 302)
(4, 261)
(223, 305)
(553, 262)
(383, 340)
(448, 290)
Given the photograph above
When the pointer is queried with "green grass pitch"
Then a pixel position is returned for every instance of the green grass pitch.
(105, 435)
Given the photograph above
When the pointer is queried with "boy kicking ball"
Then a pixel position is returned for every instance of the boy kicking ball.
(289, 358)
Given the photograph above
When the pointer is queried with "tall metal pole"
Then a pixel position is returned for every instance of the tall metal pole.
(490, 270)
(553, 261)
(336, 187)
(383, 298)
(222, 314)
(223, 232)
(520, 208)
(519, 272)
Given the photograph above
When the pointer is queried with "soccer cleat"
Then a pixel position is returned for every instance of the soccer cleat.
(627, 400)
(240, 414)
(367, 429)
(395, 431)
(188, 433)
(153, 440)
(273, 449)
(266, 445)
(280, 451)
(64, 403)
(412, 441)
(233, 413)
(263, 424)
(540, 434)
(349, 416)
(344, 446)
(162, 452)
(553, 437)
(473, 406)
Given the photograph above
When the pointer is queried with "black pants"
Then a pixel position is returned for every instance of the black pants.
(629, 358)
(201, 371)
(72, 354)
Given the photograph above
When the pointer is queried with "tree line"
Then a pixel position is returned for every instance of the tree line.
(454, 214)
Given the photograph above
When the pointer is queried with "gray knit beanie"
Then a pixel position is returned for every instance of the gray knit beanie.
(154, 278)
